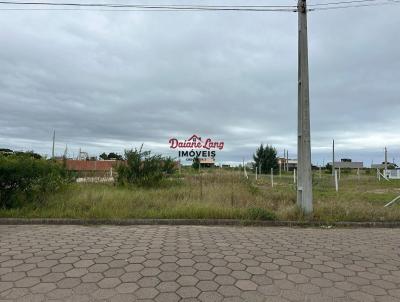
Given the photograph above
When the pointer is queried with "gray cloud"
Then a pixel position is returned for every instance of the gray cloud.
(111, 80)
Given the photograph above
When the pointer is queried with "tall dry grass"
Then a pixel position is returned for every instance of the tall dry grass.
(222, 194)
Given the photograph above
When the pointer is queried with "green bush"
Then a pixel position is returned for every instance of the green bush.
(259, 214)
(144, 169)
(168, 165)
(25, 178)
(328, 169)
(196, 163)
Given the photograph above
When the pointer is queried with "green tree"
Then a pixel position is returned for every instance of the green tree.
(265, 158)
(103, 156)
(28, 153)
(328, 168)
(113, 155)
(110, 155)
(196, 163)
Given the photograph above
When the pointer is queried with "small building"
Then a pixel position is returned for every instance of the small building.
(250, 165)
(347, 163)
(92, 167)
(382, 166)
(392, 173)
(291, 164)
(207, 162)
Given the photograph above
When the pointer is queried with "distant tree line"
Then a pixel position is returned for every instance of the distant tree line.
(110, 156)
(7, 152)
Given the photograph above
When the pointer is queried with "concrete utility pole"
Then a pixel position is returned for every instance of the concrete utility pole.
(287, 160)
(385, 160)
(333, 157)
(280, 167)
(54, 140)
(272, 177)
(244, 168)
(304, 177)
(284, 159)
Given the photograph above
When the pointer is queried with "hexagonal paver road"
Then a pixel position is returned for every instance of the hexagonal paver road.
(197, 263)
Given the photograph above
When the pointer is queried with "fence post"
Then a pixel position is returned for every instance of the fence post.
(294, 176)
(256, 174)
(272, 177)
(336, 181)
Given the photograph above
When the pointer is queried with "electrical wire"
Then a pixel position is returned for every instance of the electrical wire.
(340, 2)
(143, 6)
(392, 2)
(72, 6)
(142, 9)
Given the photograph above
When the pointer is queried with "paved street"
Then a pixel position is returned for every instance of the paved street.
(197, 263)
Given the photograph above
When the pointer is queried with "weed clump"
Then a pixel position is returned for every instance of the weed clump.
(259, 214)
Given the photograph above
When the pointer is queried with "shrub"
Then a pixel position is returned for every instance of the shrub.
(169, 165)
(196, 163)
(259, 214)
(25, 178)
(144, 169)
(328, 169)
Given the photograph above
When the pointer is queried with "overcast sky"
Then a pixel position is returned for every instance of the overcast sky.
(107, 81)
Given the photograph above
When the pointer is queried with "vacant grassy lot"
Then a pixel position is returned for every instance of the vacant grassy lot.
(217, 193)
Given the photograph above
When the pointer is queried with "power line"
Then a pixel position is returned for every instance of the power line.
(393, 2)
(139, 9)
(146, 10)
(84, 9)
(156, 6)
(72, 6)
(340, 2)
(140, 5)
